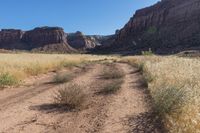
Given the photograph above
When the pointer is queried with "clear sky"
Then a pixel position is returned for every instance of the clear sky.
(89, 16)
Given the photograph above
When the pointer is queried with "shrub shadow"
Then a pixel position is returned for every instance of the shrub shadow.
(146, 123)
(51, 108)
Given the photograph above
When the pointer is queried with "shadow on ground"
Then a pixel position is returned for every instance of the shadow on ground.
(145, 123)
(51, 108)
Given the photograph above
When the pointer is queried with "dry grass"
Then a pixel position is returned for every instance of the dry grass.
(111, 87)
(175, 89)
(22, 65)
(62, 78)
(7, 79)
(114, 77)
(112, 72)
(71, 96)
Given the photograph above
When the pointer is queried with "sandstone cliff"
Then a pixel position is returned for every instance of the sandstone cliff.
(81, 42)
(169, 26)
(48, 39)
(11, 39)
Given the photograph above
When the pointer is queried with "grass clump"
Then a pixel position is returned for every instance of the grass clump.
(62, 78)
(112, 87)
(34, 69)
(168, 100)
(71, 96)
(114, 78)
(112, 73)
(148, 53)
(7, 79)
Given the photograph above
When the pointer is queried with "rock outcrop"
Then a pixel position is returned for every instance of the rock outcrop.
(81, 42)
(47, 39)
(11, 39)
(44, 35)
(167, 27)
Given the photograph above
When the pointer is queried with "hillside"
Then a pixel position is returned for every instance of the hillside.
(168, 27)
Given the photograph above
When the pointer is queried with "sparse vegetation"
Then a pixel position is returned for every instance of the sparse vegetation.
(114, 76)
(111, 72)
(112, 87)
(22, 65)
(71, 96)
(62, 78)
(169, 100)
(7, 79)
(152, 30)
(174, 87)
(147, 53)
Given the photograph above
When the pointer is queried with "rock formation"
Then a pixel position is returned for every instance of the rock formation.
(48, 39)
(169, 26)
(11, 39)
(81, 42)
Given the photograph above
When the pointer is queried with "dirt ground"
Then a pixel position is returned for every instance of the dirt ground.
(30, 108)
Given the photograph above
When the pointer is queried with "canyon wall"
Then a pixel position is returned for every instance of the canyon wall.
(47, 39)
(169, 26)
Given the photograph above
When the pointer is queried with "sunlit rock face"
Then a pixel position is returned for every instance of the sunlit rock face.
(10, 38)
(169, 26)
(80, 41)
(45, 39)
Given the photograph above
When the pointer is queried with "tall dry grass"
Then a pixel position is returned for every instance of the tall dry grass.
(16, 67)
(175, 89)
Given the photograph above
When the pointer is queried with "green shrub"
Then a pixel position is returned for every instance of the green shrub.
(147, 53)
(152, 30)
(7, 79)
(71, 96)
(168, 100)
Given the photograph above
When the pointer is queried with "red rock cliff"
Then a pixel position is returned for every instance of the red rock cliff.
(167, 27)
(8, 37)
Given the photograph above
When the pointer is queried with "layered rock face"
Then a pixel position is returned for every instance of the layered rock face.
(43, 36)
(81, 42)
(48, 39)
(10, 38)
(169, 26)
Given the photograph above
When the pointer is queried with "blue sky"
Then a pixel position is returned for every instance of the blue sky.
(89, 16)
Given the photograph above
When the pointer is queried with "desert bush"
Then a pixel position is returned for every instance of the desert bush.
(147, 77)
(152, 30)
(112, 87)
(62, 77)
(147, 53)
(71, 96)
(7, 79)
(70, 64)
(169, 100)
(140, 66)
(34, 69)
(112, 73)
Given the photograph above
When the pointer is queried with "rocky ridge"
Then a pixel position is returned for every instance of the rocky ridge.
(168, 27)
(47, 39)
(82, 42)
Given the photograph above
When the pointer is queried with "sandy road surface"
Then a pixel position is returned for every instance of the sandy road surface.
(30, 109)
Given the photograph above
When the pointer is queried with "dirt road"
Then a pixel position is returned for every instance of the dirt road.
(31, 109)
